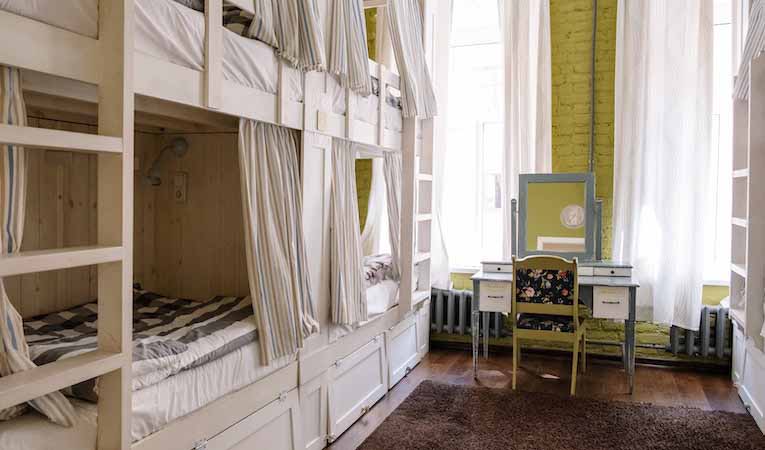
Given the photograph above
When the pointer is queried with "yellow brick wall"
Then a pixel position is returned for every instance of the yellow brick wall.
(571, 47)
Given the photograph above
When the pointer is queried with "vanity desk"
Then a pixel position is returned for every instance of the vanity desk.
(557, 214)
(608, 297)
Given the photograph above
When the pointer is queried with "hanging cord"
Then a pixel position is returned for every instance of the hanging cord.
(592, 84)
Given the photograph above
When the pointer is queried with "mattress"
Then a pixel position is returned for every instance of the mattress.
(169, 31)
(153, 407)
(78, 16)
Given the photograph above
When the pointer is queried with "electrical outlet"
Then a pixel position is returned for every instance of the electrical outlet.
(180, 181)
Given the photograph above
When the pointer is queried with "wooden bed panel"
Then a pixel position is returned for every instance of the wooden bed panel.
(199, 244)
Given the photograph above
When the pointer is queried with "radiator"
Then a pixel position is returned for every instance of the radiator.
(450, 314)
(713, 340)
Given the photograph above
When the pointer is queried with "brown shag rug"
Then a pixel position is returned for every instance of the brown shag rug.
(442, 416)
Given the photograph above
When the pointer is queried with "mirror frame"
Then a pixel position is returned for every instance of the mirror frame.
(589, 205)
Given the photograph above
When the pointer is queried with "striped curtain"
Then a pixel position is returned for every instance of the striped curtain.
(755, 43)
(406, 31)
(349, 305)
(14, 352)
(276, 258)
(311, 37)
(349, 56)
(393, 179)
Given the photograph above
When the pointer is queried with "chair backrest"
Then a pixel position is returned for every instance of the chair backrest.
(545, 285)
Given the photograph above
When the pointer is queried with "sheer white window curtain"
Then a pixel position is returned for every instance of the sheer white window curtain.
(498, 50)
(662, 128)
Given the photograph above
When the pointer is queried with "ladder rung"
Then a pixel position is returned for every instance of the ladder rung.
(425, 177)
(24, 386)
(58, 140)
(418, 296)
(56, 259)
(421, 257)
(424, 217)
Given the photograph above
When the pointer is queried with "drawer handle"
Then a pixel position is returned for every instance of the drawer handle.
(613, 271)
(364, 410)
(611, 302)
(282, 396)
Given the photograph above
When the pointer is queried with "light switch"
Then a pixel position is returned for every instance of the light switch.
(179, 186)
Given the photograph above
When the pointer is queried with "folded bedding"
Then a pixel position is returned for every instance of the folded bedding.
(377, 268)
(169, 335)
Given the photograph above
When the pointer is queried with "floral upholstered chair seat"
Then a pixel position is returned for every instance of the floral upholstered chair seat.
(549, 287)
(546, 322)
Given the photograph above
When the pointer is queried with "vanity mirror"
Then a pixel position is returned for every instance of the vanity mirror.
(557, 215)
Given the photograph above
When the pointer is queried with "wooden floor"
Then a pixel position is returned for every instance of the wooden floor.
(541, 373)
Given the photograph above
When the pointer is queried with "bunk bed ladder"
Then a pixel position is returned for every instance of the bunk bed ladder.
(113, 252)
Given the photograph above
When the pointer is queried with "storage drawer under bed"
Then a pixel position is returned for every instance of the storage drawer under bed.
(401, 348)
(276, 426)
(356, 382)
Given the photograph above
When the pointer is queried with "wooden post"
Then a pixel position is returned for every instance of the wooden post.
(115, 220)
(213, 53)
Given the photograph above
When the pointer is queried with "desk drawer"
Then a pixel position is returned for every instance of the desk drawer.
(612, 271)
(497, 267)
(610, 302)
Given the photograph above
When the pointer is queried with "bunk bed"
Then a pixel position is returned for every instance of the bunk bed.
(182, 67)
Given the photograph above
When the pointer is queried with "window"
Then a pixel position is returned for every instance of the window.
(718, 232)
(473, 164)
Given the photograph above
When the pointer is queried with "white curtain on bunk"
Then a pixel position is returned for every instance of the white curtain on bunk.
(662, 142)
(371, 235)
(393, 178)
(528, 97)
(349, 55)
(277, 267)
(755, 43)
(406, 30)
(349, 305)
(14, 352)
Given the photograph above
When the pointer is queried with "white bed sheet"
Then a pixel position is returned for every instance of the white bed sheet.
(172, 32)
(153, 407)
(365, 108)
(78, 16)
(380, 298)
(169, 31)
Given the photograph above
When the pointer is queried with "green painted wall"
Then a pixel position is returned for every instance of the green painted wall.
(546, 201)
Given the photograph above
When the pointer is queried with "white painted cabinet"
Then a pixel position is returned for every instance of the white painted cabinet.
(276, 426)
(401, 345)
(739, 354)
(752, 385)
(313, 412)
(356, 383)
(423, 329)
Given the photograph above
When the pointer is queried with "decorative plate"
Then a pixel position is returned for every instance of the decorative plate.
(572, 216)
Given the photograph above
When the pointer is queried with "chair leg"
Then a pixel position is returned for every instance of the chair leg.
(516, 353)
(574, 367)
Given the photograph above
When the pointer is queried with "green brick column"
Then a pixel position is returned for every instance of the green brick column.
(571, 46)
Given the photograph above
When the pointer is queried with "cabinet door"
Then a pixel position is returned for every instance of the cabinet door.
(356, 383)
(423, 329)
(313, 410)
(275, 427)
(401, 344)
(739, 354)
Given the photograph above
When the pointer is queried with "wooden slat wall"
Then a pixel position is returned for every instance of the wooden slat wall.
(199, 245)
(193, 249)
(61, 212)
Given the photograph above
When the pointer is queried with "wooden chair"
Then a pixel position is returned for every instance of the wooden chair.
(546, 307)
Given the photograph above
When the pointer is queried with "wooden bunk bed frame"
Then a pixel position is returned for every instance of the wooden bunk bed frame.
(69, 71)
